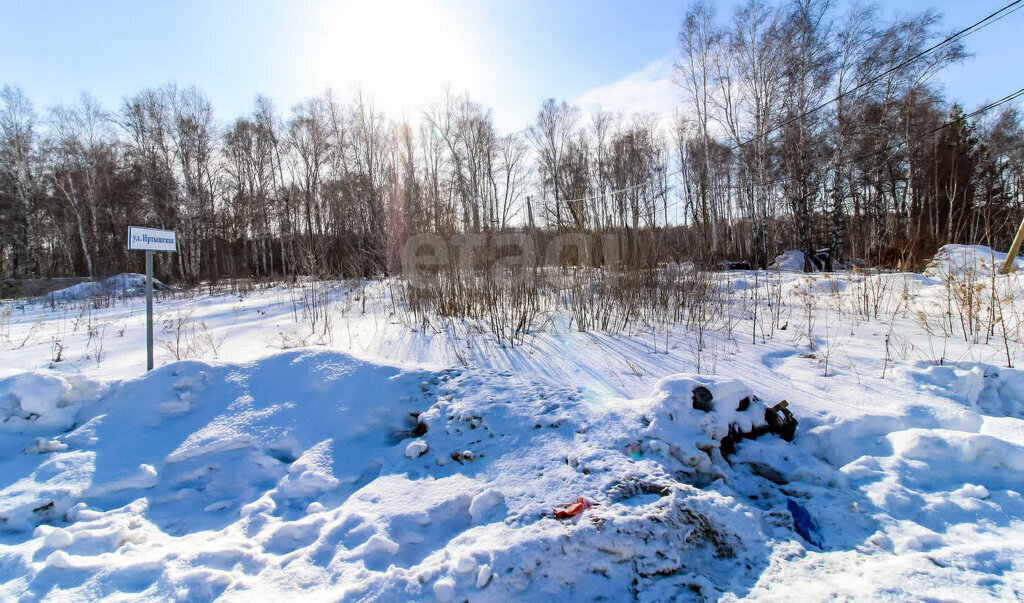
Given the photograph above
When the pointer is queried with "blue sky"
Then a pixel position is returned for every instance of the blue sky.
(508, 54)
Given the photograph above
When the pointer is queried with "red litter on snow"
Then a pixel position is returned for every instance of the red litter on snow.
(574, 509)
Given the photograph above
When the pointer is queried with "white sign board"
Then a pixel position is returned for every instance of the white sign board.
(151, 239)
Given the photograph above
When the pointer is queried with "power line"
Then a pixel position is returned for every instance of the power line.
(962, 33)
(988, 107)
(977, 26)
(996, 20)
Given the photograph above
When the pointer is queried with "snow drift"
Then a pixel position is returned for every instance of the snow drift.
(954, 261)
(128, 284)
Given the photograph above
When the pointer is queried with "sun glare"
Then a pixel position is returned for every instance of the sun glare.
(402, 53)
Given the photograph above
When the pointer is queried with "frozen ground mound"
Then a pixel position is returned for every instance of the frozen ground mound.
(954, 261)
(128, 284)
(315, 472)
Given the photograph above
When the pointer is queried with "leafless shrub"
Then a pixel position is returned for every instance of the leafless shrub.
(510, 301)
(808, 299)
(208, 341)
(315, 305)
(770, 319)
(84, 316)
(185, 338)
(966, 293)
(32, 330)
(315, 289)
(177, 329)
(94, 345)
(504, 300)
(702, 306)
(56, 350)
(289, 339)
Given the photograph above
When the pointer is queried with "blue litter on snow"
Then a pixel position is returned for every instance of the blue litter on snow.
(803, 523)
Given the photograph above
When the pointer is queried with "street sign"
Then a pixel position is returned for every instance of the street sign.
(150, 240)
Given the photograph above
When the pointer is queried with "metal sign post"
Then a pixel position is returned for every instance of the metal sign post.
(150, 240)
(149, 310)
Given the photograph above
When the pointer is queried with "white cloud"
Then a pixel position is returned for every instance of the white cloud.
(649, 90)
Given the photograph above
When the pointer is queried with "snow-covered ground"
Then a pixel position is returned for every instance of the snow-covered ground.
(381, 460)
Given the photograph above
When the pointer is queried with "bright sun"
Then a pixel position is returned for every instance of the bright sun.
(402, 53)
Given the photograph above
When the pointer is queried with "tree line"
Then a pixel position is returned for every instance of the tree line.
(822, 126)
(756, 160)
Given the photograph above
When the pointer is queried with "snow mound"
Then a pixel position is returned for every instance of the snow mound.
(128, 284)
(945, 480)
(984, 388)
(295, 471)
(788, 261)
(792, 260)
(955, 261)
(353, 480)
(37, 399)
